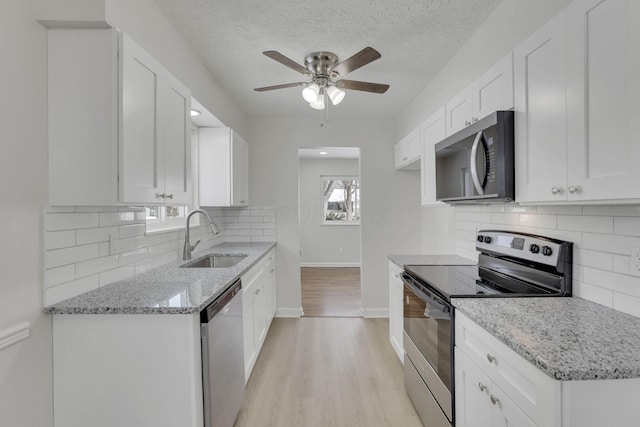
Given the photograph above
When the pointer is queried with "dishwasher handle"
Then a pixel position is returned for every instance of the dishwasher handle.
(220, 303)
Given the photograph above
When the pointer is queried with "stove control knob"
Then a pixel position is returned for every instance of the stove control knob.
(487, 239)
(546, 251)
(534, 248)
(480, 238)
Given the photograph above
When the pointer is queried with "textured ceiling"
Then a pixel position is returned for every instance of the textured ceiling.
(415, 37)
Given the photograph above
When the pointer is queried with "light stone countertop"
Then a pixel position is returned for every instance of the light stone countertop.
(168, 289)
(402, 260)
(567, 338)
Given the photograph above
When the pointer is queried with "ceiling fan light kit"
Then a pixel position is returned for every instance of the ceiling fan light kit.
(324, 70)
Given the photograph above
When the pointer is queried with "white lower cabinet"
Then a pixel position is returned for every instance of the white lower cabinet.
(258, 308)
(495, 386)
(396, 307)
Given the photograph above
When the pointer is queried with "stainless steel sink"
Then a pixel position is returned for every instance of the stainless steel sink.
(214, 261)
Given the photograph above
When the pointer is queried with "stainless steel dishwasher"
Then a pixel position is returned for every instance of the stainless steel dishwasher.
(223, 358)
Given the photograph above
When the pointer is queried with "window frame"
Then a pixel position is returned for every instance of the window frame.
(324, 221)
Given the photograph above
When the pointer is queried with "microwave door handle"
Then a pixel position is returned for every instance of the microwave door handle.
(473, 166)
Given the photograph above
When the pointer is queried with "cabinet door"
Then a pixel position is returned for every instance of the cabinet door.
(473, 390)
(459, 111)
(240, 172)
(260, 312)
(494, 90)
(407, 151)
(540, 114)
(603, 62)
(432, 131)
(176, 129)
(141, 154)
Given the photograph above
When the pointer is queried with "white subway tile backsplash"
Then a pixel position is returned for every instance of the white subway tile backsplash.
(59, 239)
(612, 210)
(135, 255)
(629, 226)
(116, 274)
(58, 257)
(560, 210)
(95, 235)
(540, 221)
(116, 218)
(126, 231)
(71, 289)
(592, 224)
(70, 221)
(58, 275)
(60, 209)
(593, 293)
(622, 264)
(95, 266)
(615, 281)
(595, 259)
(79, 255)
(250, 233)
(626, 303)
(610, 243)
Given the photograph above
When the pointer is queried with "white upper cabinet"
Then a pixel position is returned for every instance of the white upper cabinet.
(491, 92)
(432, 131)
(603, 62)
(118, 123)
(407, 151)
(576, 105)
(223, 168)
(155, 146)
(540, 114)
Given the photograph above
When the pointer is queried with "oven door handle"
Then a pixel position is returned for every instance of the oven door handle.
(420, 294)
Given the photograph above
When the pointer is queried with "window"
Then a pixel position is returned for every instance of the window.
(161, 218)
(341, 200)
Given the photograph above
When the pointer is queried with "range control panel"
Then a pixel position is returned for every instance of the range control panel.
(523, 246)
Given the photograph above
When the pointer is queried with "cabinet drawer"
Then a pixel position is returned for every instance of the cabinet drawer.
(535, 393)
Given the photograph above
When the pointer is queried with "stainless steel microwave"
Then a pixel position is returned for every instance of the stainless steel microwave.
(475, 165)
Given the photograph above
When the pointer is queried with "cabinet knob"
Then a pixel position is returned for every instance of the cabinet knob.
(467, 122)
(473, 120)
(272, 270)
(242, 201)
(482, 387)
(404, 159)
(257, 291)
(169, 196)
(574, 189)
(494, 400)
(160, 196)
(556, 190)
(490, 358)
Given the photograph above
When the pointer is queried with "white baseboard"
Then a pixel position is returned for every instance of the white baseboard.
(374, 312)
(14, 334)
(289, 312)
(330, 264)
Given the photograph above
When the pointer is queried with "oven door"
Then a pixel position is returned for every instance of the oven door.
(428, 341)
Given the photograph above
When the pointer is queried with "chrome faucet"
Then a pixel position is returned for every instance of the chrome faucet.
(188, 248)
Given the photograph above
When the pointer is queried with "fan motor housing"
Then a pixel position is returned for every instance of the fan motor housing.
(321, 63)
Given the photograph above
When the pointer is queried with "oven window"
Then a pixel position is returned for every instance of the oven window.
(430, 330)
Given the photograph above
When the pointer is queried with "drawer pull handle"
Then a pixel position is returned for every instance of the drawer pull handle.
(482, 387)
(494, 400)
(490, 358)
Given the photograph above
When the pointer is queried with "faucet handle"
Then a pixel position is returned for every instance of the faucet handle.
(194, 245)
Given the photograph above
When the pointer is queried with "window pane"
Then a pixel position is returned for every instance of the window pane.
(341, 199)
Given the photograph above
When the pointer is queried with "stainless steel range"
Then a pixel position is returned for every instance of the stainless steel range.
(510, 264)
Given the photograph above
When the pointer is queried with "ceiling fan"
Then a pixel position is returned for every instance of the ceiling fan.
(325, 73)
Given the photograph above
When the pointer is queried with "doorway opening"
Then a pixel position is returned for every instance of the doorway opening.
(329, 226)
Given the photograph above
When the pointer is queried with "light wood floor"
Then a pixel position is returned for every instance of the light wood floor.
(330, 292)
(327, 372)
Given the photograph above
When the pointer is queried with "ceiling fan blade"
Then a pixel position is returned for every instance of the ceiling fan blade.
(363, 86)
(266, 88)
(277, 56)
(362, 58)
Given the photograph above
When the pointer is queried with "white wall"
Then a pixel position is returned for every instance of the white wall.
(25, 367)
(321, 244)
(387, 226)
